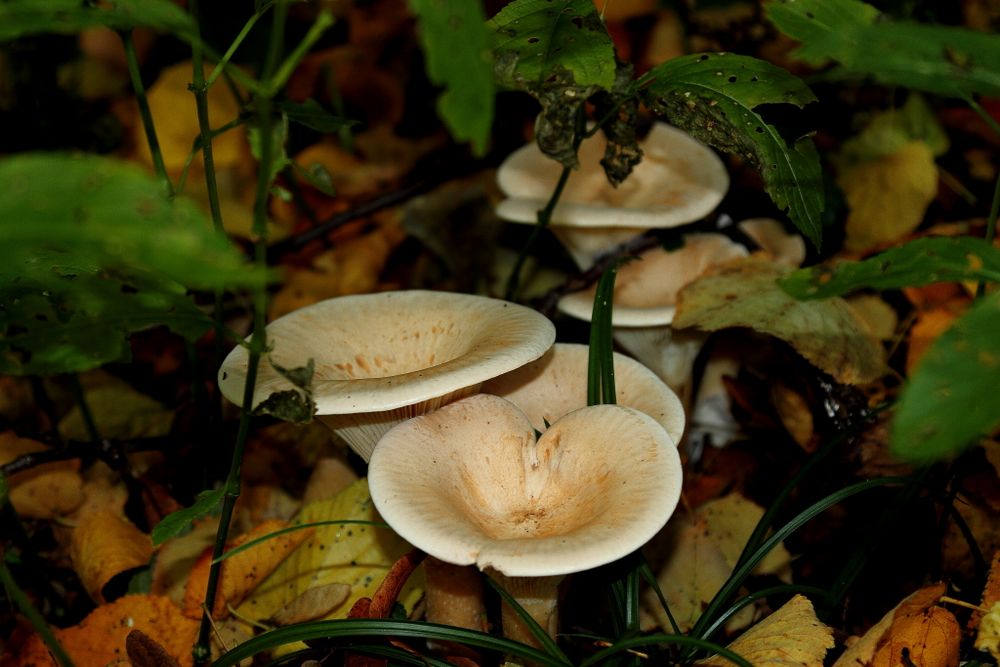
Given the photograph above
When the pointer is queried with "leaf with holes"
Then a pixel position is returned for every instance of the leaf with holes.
(62, 315)
(559, 52)
(714, 97)
(951, 399)
(944, 60)
(19, 18)
(456, 44)
(920, 262)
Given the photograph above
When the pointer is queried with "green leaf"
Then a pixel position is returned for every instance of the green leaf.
(937, 59)
(810, 21)
(951, 399)
(279, 141)
(177, 522)
(456, 44)
(102, 213)
(920, 262)
(559, 52)
(19, 18)
(61, 314)
(621, 108)
(314, 116)
(713, 96)
(534, 38)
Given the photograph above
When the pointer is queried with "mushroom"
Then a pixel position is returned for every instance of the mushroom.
(470, 484)
(645, 301)
(382, 358)
(556, 384)
(678, 181)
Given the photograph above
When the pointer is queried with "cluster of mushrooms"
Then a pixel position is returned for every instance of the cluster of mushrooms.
(480, 446)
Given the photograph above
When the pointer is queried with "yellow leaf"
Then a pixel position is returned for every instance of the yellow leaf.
(105, 545)
(700, 552)
(792, 637)
(356, 555)
(176, 119)
(888, 196)
(120, 412)
(988, 634)
(744, 293)
(43, 492)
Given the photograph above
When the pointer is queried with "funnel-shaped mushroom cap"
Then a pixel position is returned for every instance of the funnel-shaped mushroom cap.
(391, 351)
(679, 180)
(469, 484)
(646, 290)
(556, 384)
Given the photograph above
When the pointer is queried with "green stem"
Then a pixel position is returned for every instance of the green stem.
(991, 221)
(147, 117)
(88, 417)
(258, 341)
(200, 90)
(544, 217)
(21, 601)
(323, 21)
(228, 55)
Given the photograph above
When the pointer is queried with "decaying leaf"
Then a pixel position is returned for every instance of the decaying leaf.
(743, 293)
(144, 651)
(43, 492)
(100, 639)
(795, 414)
(177, 556)
(243, 572)
(926, 634)
(988, 624)
(356, 555)
(314, 603)
(104, 545)
(119, 411)
(888, 196)
(791, 636)
(928, 326)
(878, 315)
(329, 477)
(699, 551)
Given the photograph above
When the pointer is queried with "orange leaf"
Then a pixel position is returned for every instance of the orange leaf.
(929, 325)
(103, 546)
(45, 491)
(242, 572)
(100, 638)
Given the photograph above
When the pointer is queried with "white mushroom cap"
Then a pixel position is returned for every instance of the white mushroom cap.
(556, 384)
(393, 353)
(469, 484)
(770, 235)
(678, 181)
(646, 289)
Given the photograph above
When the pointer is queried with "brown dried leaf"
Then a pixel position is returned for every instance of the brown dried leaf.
(243, 572)
(144, 651)
(104, 545)
(744, 293)
(312, 604)
(791, 636)
(100, 639)
(43, 492)
(929, 635)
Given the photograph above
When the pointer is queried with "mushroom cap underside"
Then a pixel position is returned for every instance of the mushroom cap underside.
(469, 484)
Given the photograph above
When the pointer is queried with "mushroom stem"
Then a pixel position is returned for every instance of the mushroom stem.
(539, 596)
(668, 352)
(454, 596)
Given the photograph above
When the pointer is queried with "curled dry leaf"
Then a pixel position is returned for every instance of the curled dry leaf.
(699, 551)
(792, 636)
(243, 572)
(43, 492)
(314, 603)
(743, 293)
(926, 634)
(104, 545)
(101, 637)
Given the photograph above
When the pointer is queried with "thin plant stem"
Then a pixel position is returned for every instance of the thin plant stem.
(544, 217)
(200, 90)
(258, 342)
(21, 601)
(147, 117)
(344, 134)
(991, 221)
(231, 51)
(323, 21)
